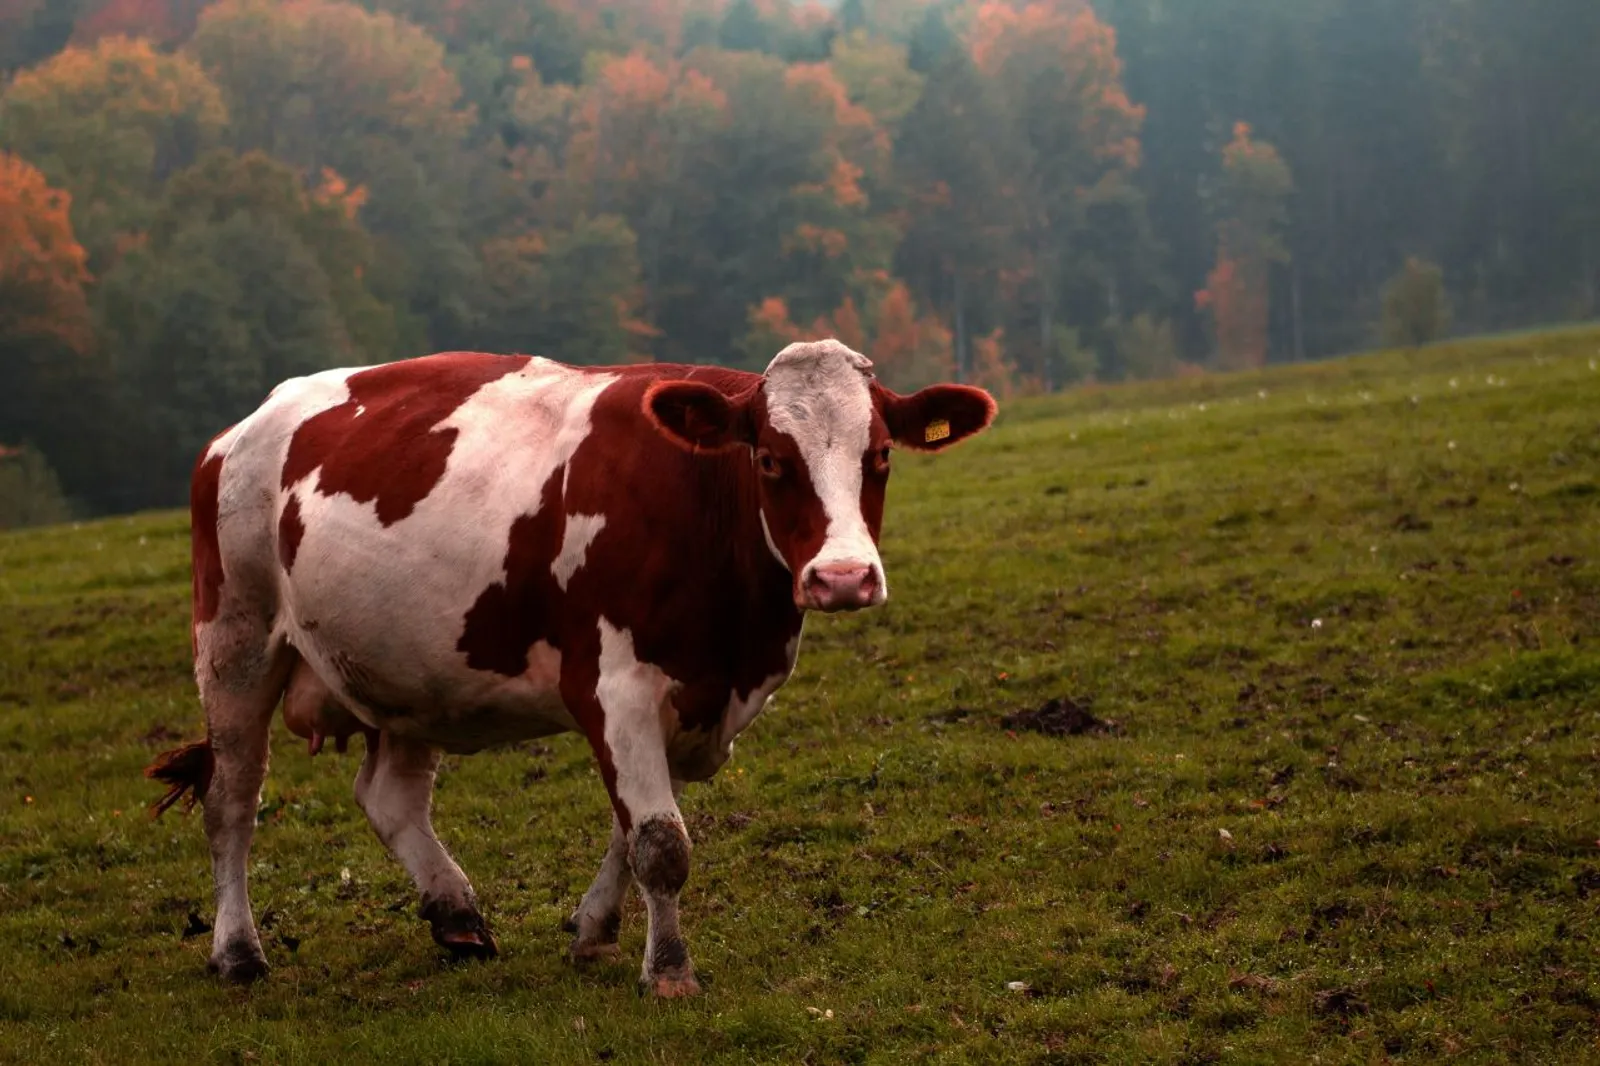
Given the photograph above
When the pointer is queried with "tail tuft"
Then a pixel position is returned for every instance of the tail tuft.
(183, 770)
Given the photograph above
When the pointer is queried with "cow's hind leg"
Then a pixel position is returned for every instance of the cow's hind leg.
(395, 788)
(241, 678)
(598, 919)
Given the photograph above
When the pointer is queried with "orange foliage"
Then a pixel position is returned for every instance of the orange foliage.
(43, 268)
(1081, 45)
(334, 190)
(989, 367)
(630, 123)
(855, 140)
(163, 21)
(907, 352)
(847, 325)
(1237, 289)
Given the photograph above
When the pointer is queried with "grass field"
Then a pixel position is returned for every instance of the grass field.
(1345, 619)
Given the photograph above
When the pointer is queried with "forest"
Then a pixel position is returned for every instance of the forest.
(201, 198)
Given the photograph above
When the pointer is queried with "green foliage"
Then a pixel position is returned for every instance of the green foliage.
(567, 297)
(1021, 167)
(30, 492)
(213, 317)
(1145, 348)
(110, 124)
(1415, 308)
(1408, 789)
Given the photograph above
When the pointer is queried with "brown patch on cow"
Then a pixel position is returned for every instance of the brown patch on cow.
(205, 552)
(1059, 718)
(383, 445)
(186, 771)
(290, 531)
(500, 627)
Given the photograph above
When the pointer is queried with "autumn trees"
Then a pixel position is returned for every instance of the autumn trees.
(203, 196)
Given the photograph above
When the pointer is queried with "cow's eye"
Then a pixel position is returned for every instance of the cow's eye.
(880, 459)
(768, 464)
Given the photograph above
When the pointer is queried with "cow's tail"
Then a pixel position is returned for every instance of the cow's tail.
(186, 771)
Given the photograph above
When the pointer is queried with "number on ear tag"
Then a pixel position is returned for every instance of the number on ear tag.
(938, 429)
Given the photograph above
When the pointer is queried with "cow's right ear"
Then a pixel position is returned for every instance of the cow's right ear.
(697, 416)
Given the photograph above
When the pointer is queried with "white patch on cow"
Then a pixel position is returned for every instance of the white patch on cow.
(580, 533)
(423, 574)
(632, 695)
(772, 545)
(817, 393)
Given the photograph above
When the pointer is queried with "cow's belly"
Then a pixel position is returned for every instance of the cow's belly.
(378, 617)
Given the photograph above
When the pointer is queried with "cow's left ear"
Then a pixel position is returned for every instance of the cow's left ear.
(698, 417)
(932, 419)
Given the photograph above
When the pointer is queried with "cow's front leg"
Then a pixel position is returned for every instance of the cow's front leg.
(395, 788)
(598, 919)
(620, 708)
(658, 847)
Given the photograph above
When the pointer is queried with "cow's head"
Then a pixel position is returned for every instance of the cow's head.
(818, 431)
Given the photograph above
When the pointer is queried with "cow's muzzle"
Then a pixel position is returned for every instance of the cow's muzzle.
(840, 587)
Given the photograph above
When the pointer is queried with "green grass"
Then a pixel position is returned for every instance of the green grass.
(1349, 613)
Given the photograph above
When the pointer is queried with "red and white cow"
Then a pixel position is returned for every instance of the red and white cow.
(467, 550)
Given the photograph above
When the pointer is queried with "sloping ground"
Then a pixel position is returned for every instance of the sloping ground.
(1342, 622)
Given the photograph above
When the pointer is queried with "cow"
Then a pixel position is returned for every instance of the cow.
(468, 550)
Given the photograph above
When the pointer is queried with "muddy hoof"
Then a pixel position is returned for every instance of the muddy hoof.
(240, 963)
(478, 945)
(460, 931)
(594, 951)
(672, 986)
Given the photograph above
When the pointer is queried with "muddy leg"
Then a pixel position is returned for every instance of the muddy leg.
(395, 788)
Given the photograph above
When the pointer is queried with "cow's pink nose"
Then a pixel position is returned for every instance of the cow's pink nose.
(841, 588)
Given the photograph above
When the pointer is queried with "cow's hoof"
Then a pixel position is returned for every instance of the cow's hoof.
(240, 963)
(596, 951)
(671, 986)
(460, 931)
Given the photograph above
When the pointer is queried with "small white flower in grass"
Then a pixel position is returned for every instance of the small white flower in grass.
(1316, 623)
(344, 876)
(1415, 400)
(820, 1015)
(1072, 436)
(1514, 487)
(1451, 445)
(1202, 407)
(1262, 394)
(1224, 835)
(1454, 383)
(1361, 718)
(1018, 986)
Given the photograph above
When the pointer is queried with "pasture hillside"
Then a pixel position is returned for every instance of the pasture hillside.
(1343, 621)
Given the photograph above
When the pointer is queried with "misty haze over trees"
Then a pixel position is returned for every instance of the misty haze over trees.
(199, 199)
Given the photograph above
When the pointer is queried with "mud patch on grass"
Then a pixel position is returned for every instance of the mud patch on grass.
(1064, 717)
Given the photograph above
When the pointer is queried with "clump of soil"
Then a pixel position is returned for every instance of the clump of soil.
(1062, 717)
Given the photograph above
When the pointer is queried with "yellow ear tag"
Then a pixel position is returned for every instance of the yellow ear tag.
(938, 429)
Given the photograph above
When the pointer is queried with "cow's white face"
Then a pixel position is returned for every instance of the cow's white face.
(818, 431)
